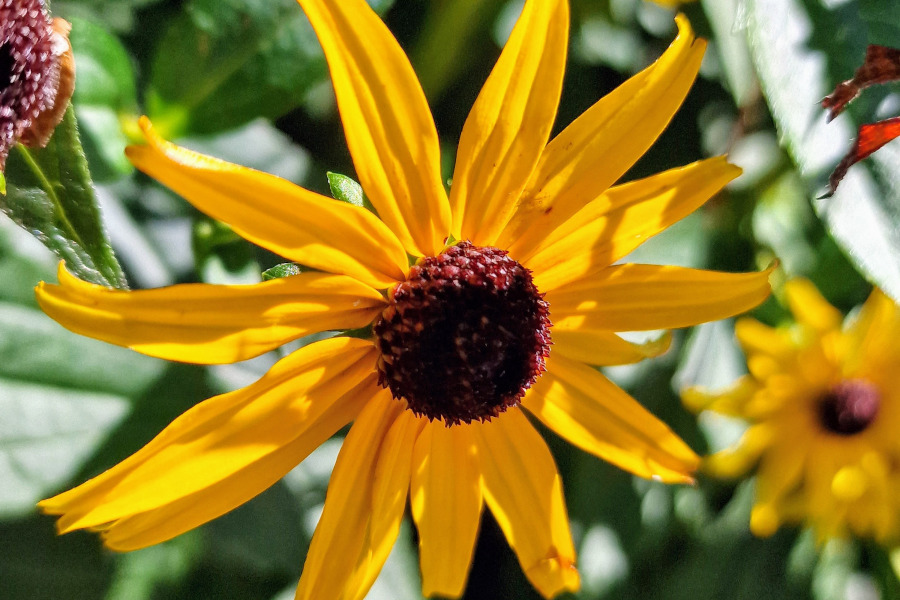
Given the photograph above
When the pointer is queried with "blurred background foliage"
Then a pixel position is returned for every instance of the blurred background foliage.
(245, 80)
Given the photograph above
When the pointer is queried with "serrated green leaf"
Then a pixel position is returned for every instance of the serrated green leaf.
(799, 60)
(50, 194)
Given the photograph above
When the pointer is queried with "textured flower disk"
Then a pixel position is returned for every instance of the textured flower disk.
(29, 68)
(464, 336)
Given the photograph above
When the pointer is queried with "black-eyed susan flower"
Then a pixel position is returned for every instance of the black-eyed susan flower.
(823, 404)
(462, 297)
(37, 74)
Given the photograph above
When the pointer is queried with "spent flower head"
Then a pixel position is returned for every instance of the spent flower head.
(37, 74)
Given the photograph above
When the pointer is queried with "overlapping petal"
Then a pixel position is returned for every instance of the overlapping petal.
(339, 544)
(210, 324)
(226, 443)
(635, 297)
(292, 222)
(510, 123)
(523, 489)
(387, 122)
(589, 411)
(620, 220)
(596, 149)
(604, 348)
(446, 499)
(389, 491)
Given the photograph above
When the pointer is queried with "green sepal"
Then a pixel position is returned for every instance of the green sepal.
(346, 189)
(282, 270)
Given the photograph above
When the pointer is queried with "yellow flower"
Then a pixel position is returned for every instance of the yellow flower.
(823, 403)
(459, 342)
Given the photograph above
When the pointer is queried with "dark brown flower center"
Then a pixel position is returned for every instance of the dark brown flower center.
(849, 407)
(29, 69)
(464, 336)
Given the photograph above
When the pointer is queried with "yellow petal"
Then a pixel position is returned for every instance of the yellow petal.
(730, 401)
(635, 297)
(340, 541)
(602, 348)
(523, 489)
(809, 307)
(757, 338)
(300, 225)
(445, 496)
(386, 120)
(210, 324)
(392, 474)
(589, 411)
(619, 221)
(602, 144)
(737, 461)
(510, 122)
(302, 400)
(163, 523)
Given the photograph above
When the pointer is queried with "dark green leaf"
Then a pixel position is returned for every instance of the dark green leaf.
(221, 64)
(50, 194)
(39, 565)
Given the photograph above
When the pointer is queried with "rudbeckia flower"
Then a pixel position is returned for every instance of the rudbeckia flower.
(459, 299)
(823, 404)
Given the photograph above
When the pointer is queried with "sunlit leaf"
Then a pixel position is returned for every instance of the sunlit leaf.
(799, 60)
(50, 194)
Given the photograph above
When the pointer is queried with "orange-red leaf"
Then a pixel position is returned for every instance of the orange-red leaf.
(870, 138)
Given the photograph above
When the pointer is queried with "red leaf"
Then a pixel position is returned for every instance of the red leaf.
(881, 65)
(870, 138)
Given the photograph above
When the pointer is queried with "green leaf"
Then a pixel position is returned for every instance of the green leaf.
(105, 97)
(799, 60)
(282, 270)
(249, 59)
(61, 394)
(116, 15)
(39, 565)
(50, 195)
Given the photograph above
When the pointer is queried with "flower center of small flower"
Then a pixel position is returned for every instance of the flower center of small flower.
(849, 407)
(464, 336)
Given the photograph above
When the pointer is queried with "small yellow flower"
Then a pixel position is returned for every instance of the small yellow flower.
(460, 342)
(823, 404)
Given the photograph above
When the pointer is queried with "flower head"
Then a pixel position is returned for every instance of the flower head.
(518, 256)
(36, 73)
(823, 404)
